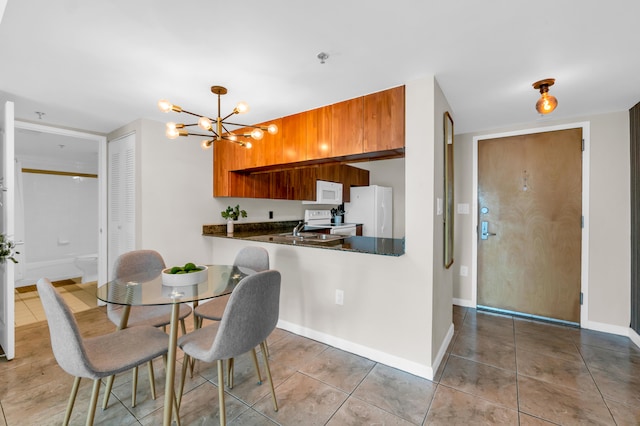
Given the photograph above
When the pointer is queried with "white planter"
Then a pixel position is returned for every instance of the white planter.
(230, 227)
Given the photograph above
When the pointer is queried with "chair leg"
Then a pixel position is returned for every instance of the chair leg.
(266, 346)
(255, 363)
(266, 366)
(183, 327)
(107, 392)
(134, 385)
(94, 402)
(152, 380)
(223, 411)
(230, 373)
(185, 364)
(72, 400)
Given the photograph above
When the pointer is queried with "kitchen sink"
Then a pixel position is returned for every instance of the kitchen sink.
(301, 238)
(308, 236)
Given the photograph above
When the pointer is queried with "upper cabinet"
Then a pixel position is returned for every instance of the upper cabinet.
(365, 128)
(294, 138)
(319, 133)
(384, 120)
(346, 127)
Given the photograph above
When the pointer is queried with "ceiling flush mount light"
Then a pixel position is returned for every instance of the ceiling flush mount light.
(216, 126)
(546, 103)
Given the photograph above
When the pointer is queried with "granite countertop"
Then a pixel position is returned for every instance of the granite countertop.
(268, 231)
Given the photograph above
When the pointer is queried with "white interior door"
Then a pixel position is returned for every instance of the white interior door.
(7, 227)
(122, 198)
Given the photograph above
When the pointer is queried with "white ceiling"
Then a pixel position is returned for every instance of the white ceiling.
(97, 65)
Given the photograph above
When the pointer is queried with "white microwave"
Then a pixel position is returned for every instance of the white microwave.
(327, 193)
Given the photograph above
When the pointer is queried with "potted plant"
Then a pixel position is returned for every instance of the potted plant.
(7, 249)
(231, 214)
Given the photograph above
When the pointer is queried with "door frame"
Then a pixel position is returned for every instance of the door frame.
(102, 183)
(584, 261)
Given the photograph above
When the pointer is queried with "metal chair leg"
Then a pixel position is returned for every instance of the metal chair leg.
(266, 363)
(255, 363)
(152, 380)
(94, 402)
(223, 411)
(230, 373)
(72, 400)
(134, 386)
(185, 364)
(107, 392)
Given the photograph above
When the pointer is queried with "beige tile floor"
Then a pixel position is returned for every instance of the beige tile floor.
(79, 296)
(497, 370)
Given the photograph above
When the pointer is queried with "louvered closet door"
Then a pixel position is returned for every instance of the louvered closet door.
(122, 198)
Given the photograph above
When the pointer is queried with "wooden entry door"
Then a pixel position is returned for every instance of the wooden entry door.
(530, 223)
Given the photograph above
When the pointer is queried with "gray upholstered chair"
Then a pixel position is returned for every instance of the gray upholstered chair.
(95, 357)
(140, 263)
(252, 257)
(250, 316)
(256, 258)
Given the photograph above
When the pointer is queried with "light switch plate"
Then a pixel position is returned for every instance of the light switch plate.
(438, 206)
(463, 208)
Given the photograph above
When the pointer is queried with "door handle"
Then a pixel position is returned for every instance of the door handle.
(484, 231)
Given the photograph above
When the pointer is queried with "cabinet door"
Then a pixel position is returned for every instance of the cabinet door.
(319, 133)
(352, 176)
(302, 184)
(346, 127)
(384, 120)
(222, 156)
(278, 185)
(294, 138)
(268, 150)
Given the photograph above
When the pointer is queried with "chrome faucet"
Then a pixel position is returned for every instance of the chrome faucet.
(298, 228)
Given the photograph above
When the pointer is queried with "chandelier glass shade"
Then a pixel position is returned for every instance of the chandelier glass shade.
(546, 103)
(217, 127)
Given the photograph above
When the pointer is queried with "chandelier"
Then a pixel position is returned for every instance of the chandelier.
(216, 126)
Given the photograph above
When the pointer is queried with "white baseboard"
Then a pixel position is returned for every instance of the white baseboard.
(635, 337)
(420, 370)
(443, 349)
(463, 302)
(606, 328)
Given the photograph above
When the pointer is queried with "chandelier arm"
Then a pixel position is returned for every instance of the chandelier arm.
(200, 134)
(193, 113)
(232, 113)
(248, 125)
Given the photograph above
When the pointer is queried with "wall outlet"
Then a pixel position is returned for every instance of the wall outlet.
(439, 206)
(464, 271)
(339, 297)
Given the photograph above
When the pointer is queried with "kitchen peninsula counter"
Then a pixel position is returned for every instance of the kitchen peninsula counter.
(264, 232)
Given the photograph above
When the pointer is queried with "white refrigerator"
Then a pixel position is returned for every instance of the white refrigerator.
(372, 206)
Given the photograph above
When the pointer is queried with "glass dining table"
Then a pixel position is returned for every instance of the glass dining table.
(147, 289)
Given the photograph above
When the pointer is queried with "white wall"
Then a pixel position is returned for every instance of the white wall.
(608, 217)
(60, 214)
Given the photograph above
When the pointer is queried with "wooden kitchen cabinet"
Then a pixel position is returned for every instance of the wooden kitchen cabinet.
(384, 114)
(347, 127)
(352, 176)
(249, 185)
(294, 138)
(266, 151)
(360, 129)
(318, 130)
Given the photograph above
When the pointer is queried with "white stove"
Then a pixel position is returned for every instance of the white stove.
(322, 219)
